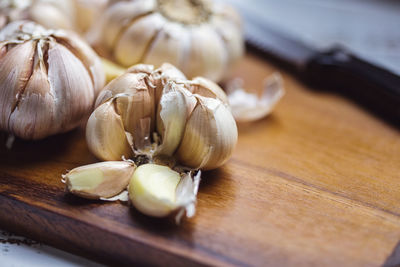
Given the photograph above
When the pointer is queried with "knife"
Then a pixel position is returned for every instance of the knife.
(336, 69)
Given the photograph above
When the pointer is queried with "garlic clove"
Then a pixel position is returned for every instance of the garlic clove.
(137, 113)
(136, 41)
(207, 88)
(53, 14)
(159, 191)
(171, 118)
(227, 13)
(87, 12)
(16, 69)
(152, 189)
(141, 68)
(161, 76)
(86, 55)
(105, 134)
(127, 83)
(67, 73)
(99, 180)
(169, 45)
(232, 37)
(210, 136)
(207, 56)
(119, 17)
(37, 96)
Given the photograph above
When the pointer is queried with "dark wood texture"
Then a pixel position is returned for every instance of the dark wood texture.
(317, 183)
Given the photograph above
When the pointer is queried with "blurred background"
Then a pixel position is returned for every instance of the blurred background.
(369, 28)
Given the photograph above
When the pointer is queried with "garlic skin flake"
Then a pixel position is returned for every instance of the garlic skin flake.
(191, 120)
(49, 80)
(100, 180)
(202, 38)
(250, 107)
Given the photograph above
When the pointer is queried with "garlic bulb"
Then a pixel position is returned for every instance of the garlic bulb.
(161, 114)
(78, 15)
(202, 38)
(48, 80)
(48, 13)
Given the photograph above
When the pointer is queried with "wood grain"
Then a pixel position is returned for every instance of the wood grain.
(317, 183)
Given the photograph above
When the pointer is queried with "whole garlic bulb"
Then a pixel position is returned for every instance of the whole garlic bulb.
(77, 15)
(202, 38)
(161, 114)
(49, 80)
(48, 13)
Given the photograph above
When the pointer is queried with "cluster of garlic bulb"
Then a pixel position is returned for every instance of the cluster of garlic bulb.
(49, 80)
(200, 37)
(161, 113)
(77, 15)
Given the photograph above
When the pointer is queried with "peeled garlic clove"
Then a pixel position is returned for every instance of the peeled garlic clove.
(137, 40)
(207, 88)
(210, 136)
(105, 134)
(207, 56)
(99, 180)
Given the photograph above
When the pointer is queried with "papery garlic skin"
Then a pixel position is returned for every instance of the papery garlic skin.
(99, 180)
(202, 38)
(210, 135)
(192, 119)
(48, 81)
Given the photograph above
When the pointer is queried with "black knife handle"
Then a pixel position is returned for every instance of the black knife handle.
(371, 86)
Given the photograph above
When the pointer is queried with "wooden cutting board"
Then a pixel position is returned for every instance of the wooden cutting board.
(316, 183)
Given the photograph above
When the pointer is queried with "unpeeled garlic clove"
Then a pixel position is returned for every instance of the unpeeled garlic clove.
(207, 88)
(207, 56)
(210, 136)
(105, 133)
(139, 35)
(171, 121)
(99, 180)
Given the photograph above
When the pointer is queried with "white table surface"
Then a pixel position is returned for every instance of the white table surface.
(17, 251)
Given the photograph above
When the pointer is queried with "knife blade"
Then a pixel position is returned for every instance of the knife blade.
(336, 68)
